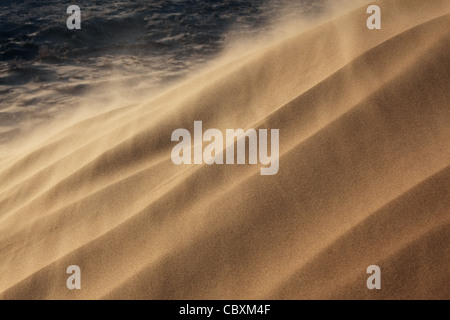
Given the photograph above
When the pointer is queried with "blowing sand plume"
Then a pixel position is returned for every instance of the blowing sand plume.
(364, 178)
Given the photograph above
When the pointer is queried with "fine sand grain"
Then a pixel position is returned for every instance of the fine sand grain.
(364, 179)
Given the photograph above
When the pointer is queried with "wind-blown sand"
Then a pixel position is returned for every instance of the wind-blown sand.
(364, 178)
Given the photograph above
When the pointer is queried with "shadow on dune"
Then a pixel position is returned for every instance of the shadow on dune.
(363, 180)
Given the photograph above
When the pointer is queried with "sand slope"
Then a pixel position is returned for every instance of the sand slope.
(364, 178)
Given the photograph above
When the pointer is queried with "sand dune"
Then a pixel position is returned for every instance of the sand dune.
(364, 178)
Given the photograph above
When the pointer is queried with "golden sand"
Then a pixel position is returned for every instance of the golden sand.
(364, 178)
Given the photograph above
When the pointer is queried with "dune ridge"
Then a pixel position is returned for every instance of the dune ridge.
(364, 169)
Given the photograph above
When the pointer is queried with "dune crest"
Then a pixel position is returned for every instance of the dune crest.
(363, 178)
